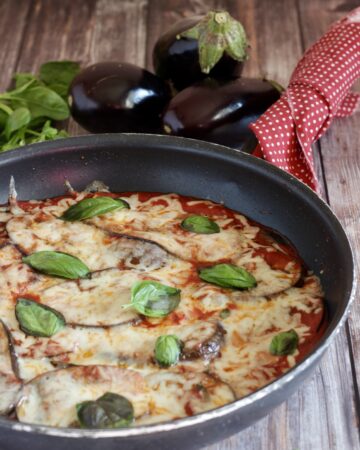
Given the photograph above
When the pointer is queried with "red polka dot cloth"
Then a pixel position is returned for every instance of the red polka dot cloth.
(318, 91)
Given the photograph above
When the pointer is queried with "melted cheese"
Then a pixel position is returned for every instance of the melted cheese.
(51, 398)
(9, 383)
(223, 358)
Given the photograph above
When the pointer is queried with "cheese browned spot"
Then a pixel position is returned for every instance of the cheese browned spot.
(51, 398)
(10, 385)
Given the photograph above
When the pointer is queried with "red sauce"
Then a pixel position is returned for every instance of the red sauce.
(276, 260)
(201, 315)
(161, 202)
(318, 324)
(188, 409)
(145, 323)
(145, 196)
(204, 208)
(29, 296)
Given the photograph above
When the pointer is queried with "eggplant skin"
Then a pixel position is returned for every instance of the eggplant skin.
(176, 59)
(219, 111)
(118, 97)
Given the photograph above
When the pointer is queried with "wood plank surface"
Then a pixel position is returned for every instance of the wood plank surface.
(324, 413)
(11, 37)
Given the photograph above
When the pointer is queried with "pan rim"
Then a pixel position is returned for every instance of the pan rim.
(203, 148)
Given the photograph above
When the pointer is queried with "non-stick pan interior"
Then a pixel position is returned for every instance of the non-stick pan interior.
(188, 167)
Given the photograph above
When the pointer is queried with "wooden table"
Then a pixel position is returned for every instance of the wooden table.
(324, 413)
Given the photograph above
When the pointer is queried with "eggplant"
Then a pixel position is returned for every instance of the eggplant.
(197, 47)
(118, 97)
(220, 111)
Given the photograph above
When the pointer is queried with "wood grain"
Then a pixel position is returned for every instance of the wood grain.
(11, 35)
(323, 413)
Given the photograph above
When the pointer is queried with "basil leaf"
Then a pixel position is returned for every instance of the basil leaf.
(200, 225)
(228, 276)
(42, 101)
(91, 207)
(284, 343)
(57, 264)
(225, 313)
(23, 78)
(58, 75)
(3, 118)
(17, 119)
(108, 411)
(167, 350)
(154, 299)
(38, 320)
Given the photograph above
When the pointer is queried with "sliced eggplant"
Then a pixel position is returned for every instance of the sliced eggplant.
(39, 231)
(51, 398)
(135, 345)
(246, 362)
(270, 278)
(96, 302)
(10, 384)
(207, 347)
(175, 394)
(186, 245)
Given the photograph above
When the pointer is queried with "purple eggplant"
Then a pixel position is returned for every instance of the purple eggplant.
(118, 97)
(220, 111)
(194, 48)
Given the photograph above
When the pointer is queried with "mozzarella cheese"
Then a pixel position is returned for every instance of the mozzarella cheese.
(10, 385)
(108, 346)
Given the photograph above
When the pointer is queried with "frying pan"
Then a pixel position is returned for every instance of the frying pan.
(188, 167)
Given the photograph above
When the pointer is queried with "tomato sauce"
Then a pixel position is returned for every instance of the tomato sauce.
(275, 259)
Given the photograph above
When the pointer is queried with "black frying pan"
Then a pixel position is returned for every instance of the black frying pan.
(188, 167)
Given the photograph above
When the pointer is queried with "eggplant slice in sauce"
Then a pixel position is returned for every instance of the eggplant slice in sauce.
(158, 219)
(176, 394)
(96, 302)
(247, 364)
(10, 384)
(51, 398)
(132, 344)
(40, 231)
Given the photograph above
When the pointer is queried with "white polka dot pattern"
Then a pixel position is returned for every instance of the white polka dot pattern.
(318, 91)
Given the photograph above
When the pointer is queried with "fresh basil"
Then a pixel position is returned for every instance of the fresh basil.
(27, 112)
(58, 75)
(38, 320)
(17, 119)
(43, 102)
(108, 411)
(225, 313)
(154, 299)
(57, 264)
(200, 225)
(91, 207)
(228, 276)
(284, 343)
(23, 78)
(167, 350)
